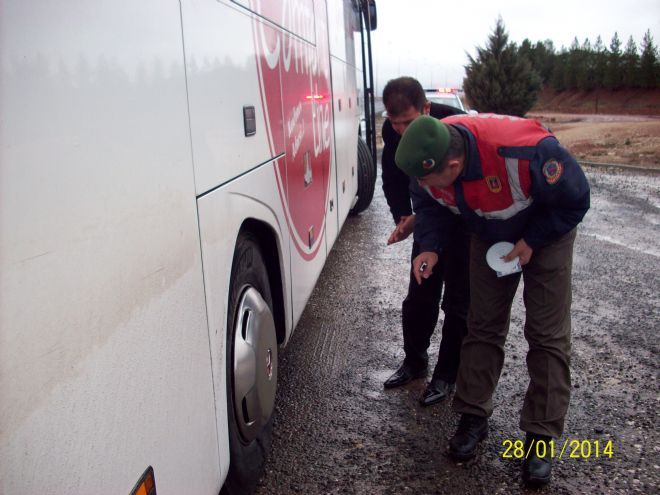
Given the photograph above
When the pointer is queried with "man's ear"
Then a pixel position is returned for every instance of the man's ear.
(455, 165)
(427, 108)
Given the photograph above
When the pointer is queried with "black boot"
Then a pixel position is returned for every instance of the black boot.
(536, 471)
(404, 374)
(471, 430)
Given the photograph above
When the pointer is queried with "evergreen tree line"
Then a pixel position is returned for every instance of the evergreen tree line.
(590, 66)
(506, 78)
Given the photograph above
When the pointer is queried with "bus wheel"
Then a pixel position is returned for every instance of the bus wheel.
(366, 178)
(251, 367)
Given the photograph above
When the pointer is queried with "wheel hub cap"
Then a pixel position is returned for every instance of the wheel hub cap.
(255, 364)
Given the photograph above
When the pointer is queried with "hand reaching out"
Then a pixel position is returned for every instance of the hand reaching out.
(402, 230)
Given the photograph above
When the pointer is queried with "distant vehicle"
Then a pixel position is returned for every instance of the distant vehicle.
(446, 96)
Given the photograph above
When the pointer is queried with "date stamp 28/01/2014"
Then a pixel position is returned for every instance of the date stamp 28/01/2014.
(570, 448)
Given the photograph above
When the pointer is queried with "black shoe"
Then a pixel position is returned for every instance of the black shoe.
(471, 430)
(536, 471)
(403, 375)
(436, 390)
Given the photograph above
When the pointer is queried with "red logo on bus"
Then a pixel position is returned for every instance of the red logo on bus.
(294, 75)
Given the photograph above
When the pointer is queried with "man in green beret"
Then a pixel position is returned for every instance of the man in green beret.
(511, 181)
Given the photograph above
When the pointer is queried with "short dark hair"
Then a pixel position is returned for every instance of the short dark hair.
(456, 149)
(402, 93)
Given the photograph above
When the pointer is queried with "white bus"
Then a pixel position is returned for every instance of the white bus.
(173, 175)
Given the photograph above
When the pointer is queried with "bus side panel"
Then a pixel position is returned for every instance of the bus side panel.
(104, 357)
(307, 99)
(297, 56)
(346, 118)
(223, 79)
(341, 19)
(331, 218)
(344, 25)
(290, 15)
(221, 215)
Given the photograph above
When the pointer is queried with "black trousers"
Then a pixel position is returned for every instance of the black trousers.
(420, 308)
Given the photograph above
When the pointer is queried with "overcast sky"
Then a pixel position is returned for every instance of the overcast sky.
(428, 39)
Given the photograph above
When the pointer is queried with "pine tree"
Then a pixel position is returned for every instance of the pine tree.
(648, 63)
(526, 50)
(600, 63)
(630, 65)
(613, 75)
(545, 59)
(558, 78)
(541, 57)
(585, 67)
(498, 80)
(573, 64)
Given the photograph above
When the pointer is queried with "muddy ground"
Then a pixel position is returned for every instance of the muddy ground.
(338, 431)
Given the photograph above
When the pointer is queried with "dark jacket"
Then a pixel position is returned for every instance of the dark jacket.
(518, 183)
(395, 182)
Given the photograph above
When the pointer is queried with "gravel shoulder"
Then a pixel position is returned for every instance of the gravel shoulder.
(338, 431)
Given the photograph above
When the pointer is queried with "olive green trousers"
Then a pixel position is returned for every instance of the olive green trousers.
(547, 299)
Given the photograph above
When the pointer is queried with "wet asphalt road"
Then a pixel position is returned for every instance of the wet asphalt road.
(338, 431)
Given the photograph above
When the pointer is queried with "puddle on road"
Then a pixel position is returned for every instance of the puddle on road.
(377, 391)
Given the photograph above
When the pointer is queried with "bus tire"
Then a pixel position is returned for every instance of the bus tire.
(251, 367)
(366, 178)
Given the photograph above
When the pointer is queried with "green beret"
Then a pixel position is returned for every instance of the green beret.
(423, 146)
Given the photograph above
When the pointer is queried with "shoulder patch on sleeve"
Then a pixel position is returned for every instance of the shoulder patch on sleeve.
(552, 170)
